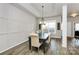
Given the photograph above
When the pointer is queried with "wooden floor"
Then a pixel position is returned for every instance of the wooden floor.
(55, 49)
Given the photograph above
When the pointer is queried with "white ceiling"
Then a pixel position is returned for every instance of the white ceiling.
(49, 9)
(52, 9)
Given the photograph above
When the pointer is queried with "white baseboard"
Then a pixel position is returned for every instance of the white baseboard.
(55, 36)
(71, 36)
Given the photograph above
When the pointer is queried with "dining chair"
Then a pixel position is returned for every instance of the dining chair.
(35, 42)
(49, 40)
(47, 43)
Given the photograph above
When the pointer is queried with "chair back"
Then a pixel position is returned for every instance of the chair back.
(49, 39)
(34, 40)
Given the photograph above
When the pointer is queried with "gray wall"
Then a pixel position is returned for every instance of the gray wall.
(15, 26)
(72, 21)
(70, 28)
(70, 25)
(58, 20)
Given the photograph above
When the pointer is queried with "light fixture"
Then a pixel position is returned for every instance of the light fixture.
(74, 14)
(42, 17)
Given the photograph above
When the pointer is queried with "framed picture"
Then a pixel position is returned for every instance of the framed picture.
(39, 26)
(58, 26)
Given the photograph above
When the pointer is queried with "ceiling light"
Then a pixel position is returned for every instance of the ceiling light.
(74, 14)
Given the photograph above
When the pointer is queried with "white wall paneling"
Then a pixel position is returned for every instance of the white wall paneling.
(15, 26)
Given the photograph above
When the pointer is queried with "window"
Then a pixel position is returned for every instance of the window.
(50, 26)
(77, 27)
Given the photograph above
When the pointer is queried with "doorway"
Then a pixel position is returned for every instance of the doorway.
(76, 29)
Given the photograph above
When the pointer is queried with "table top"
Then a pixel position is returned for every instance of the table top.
(43, 36)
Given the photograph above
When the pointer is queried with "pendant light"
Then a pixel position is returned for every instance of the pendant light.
(42, 17)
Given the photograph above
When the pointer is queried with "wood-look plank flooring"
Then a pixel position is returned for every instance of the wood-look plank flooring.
(55, 49)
